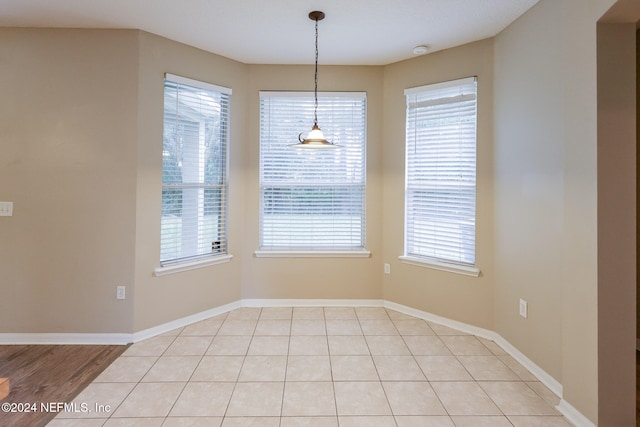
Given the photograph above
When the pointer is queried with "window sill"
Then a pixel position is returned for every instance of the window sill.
(191, 265)
(443, 266)
(362, 253)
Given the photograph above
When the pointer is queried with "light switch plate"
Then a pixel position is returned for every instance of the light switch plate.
(6, 208)
(524, 308)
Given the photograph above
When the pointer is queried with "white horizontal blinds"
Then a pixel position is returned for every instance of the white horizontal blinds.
(441, 171)
(312, 199)
(194, 170)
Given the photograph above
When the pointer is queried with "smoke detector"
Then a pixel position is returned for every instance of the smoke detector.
(420, 49)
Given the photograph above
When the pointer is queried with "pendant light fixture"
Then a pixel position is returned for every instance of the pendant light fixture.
(315, 138)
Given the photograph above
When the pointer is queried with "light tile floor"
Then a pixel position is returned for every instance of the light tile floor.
(323, 367)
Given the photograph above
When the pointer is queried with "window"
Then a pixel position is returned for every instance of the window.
(194, 170)
(440, 185)
(312, 200)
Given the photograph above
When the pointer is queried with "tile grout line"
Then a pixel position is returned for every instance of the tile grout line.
(386, 396)
(520, 380)
(140, 380)
(246, 353)
(421, 370)
(286, 368)
(333, 383)
(194, 370)
(477, 382)
(456, 357)
(191, 375)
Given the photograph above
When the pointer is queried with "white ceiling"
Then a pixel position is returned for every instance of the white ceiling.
(356, 32)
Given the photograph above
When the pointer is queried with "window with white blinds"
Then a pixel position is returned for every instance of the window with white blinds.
(441, 172)
(194, 170)
(312, 199)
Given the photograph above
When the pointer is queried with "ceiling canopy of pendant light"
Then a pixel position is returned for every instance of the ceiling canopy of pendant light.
(315, 138)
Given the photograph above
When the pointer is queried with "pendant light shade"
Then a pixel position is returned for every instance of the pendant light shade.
(315, 138)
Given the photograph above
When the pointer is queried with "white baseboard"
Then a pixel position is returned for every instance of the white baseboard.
(573, 415)
(564, 407)
(65, 339)
(538, 372)
(430, 317)
(112, 339)
(312, 303)
(185, 321)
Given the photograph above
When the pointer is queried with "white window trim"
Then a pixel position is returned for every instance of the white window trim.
(172, 267)
(305, 94)
(426, 261)
(191, 265)
(467, 270)
(267, 253)
(197, 83)
(359, 252)
(442, 85)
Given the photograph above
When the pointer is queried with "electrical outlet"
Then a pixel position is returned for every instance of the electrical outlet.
(387, 269)
(6, 208)
(524, 308)
(121, 292)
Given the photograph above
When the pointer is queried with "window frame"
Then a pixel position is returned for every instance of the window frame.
(219, 253)
(310, 250)
(444, 263)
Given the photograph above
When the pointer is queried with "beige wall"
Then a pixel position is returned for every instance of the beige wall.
(68, 162)
(463, 298)
(579, 276)
(317, 278)
(79, 160)
(529, 184)
(87, 201)
(162, 299)
(555, 164)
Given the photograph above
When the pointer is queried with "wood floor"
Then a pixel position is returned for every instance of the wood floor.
(48, 373)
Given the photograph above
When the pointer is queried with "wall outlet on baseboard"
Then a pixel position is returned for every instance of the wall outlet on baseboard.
(387, 269)
(524, 308)
(121, 292)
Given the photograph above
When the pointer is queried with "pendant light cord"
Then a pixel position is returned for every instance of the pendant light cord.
(315, 110)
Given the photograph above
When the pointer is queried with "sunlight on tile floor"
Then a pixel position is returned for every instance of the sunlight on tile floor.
(314, 366)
